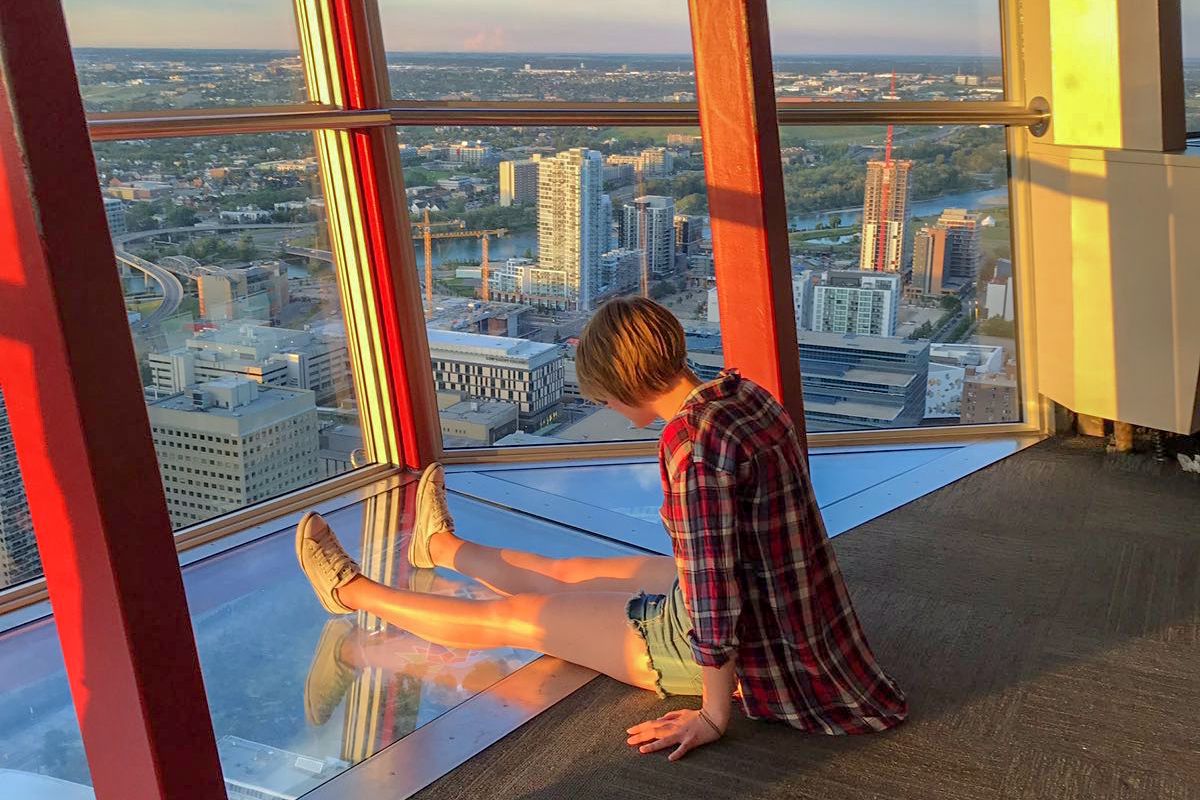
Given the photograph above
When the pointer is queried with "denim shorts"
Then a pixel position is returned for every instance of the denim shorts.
(662, 620)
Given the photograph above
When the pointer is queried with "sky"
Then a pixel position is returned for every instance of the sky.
(917, 27)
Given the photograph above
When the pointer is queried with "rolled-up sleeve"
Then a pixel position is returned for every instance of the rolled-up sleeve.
(702, 507)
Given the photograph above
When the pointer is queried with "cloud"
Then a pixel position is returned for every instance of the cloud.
(487, 40)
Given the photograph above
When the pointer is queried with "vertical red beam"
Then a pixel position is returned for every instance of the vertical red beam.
(393, 262)
(736, 94)
(83, 438)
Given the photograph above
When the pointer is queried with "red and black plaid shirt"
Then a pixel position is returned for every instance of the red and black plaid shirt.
(758, 575)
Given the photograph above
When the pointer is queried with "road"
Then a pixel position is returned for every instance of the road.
(172, 287)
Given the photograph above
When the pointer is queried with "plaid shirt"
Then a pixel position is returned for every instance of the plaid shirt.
(757, 572)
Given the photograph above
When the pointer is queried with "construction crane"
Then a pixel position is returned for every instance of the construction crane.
(882, 229)
(424, 230)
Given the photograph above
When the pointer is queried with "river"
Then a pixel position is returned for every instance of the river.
(972, 201)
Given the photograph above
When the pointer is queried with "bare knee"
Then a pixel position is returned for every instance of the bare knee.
(520, 616)
(571, 570)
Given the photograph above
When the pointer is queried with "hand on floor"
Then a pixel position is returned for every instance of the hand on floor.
(687, 729)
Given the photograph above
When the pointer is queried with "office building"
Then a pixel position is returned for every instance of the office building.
(657, 162)
(648, 223)
(260, 290)
(652, 162)
(929, 262)
(990, 397)
(853, 301)
(522, 280)
(861, 382)
(886, 196)
(114, 213)
(18, 549)
(570, 237)
(689, 234)
(963, 245)
(265, 355)
(712, 306)
(943, 392)
(225, 444)
(978, 357)
(519, 182)
(524, 373)
(468, 153)
(474, 423)
(999, 301)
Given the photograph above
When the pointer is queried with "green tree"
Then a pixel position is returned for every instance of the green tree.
(140, 217)
(181, 217)
(246, 249)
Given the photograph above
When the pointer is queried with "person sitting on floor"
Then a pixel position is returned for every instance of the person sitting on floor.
(752, 600)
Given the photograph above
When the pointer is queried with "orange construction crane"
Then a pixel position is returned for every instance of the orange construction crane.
(485, 284)
(424, 230)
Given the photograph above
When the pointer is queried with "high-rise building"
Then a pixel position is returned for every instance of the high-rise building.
(886, 198)
(569, 221)
(648, 223)
(114, 212)
(527, 374)
(963, 245)
(853, 301)
(227, 443)
(929, 261)
(18, 549)
(607, 235)
(519, 182)
(689, 234)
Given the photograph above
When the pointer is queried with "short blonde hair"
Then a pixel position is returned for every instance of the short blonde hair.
(633, 349)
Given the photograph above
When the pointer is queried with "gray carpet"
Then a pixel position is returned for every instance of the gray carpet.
(1043, 616)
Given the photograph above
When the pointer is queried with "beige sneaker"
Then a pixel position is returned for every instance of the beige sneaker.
(328, 676)
(433, 516)
(325, 562)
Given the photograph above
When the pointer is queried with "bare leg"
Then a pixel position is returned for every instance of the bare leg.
(586, 628)
(511, 572)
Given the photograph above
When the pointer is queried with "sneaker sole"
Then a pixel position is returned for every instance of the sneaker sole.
(326, 601)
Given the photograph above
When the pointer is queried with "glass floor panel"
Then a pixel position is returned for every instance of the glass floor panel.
(296, 696)
(635, 490)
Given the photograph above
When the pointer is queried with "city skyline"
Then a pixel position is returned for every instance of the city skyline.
(533, 26)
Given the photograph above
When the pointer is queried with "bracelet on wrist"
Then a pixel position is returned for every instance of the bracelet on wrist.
(712, 724)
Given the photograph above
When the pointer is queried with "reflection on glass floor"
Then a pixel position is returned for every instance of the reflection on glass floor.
(296, 696)
(636, 489)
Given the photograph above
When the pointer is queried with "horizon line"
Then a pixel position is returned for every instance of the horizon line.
(573, 53)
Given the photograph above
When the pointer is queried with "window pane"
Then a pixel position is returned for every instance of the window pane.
(137, 55)
(938, 50)
(902, 276)
(539, 50)
(245, 363)
(574, 206)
